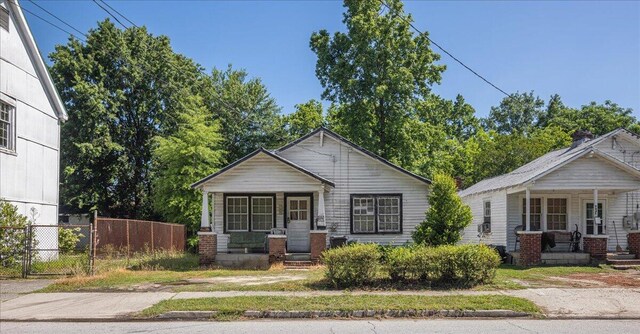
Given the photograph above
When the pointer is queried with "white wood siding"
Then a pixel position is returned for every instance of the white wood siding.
(355, 173)
(262, 173)
(587, 173)
(498, 234)
(29, 178)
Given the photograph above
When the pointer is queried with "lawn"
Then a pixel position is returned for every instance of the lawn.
(233, 307)
(278, 279)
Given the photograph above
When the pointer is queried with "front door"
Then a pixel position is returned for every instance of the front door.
(590, 221)
(298, 224)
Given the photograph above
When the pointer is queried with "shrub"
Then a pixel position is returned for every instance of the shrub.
(68, 239)
(447, 214)
(352, 265)
(12, 235)
(464, 265)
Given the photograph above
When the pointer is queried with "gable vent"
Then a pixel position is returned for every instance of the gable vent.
(4, 18)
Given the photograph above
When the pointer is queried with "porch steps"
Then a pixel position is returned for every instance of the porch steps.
(623, 261)
(298, 264)
(297, 257)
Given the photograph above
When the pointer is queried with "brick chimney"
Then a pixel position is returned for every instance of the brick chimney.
(581, 136)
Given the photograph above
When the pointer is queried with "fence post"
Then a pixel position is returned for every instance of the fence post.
(25, 251)
(128, 241)
(93, 231)
(152, 243)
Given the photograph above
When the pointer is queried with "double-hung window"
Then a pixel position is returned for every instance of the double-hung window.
(7, 127)
(372, 214)
(556, 214)
(536, 213)
(487, 212)
(244, 213)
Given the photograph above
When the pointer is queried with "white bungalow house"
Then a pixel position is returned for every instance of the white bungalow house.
(320, 181)
(31, 113)
(558, 191)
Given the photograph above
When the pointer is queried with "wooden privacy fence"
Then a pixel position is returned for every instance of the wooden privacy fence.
(138, 235)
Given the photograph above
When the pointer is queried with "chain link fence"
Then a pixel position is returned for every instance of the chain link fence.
(45, 250)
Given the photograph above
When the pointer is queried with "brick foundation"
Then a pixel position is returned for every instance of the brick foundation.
(596, 246)
(277, 248)
(207, 247)
(530, 248)
(633, 239)
(318, 244)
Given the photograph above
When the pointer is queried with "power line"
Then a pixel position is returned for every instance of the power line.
(108, 12)
(47, 21)
(447, 52)
(59, 19)
(117, 12)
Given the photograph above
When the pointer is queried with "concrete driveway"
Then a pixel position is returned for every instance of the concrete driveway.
(10, 289)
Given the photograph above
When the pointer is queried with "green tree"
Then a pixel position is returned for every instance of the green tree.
(192, 152)
(12, 234)
(517, 113)
(249, 116)
(376, 72)
(597, 118)
(120, 89)
(456, 118)
(447, 215)
(307, 117)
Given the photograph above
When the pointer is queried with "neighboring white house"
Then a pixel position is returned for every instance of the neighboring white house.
(31, 113)
(320, 180)
(561, 188)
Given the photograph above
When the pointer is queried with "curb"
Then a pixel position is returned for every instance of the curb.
(207, 315)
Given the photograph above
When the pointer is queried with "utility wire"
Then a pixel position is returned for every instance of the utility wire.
(117, 12)
(447, 52)
(47, 21)
(59, 19)
(108, 12)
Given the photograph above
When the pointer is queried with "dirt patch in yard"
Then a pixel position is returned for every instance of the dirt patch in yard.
(627, 279)
(246, 280)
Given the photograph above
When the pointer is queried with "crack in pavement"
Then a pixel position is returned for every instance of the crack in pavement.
(374, 327)
(518, 326)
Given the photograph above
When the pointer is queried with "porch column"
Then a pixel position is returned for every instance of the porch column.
(321, 223)
(204, 218)
(595, 212)
(527, 218)
(212, 222)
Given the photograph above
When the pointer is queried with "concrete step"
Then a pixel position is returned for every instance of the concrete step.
(625, 267)
(297, 257)
(635, 262)
(621, 256)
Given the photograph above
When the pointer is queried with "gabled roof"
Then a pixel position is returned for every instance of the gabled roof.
(357, 148)
(548, 163)
(270, 154)
(36, 59)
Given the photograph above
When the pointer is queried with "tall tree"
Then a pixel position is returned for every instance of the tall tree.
(597, 118)
(249, 116)
(307, 117)
(120, 89)
(190, 153)
(456, 118)
(376, 72)
(517, 113)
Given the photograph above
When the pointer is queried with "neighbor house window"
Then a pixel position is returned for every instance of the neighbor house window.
(261, 213)
(487, 211)
(4, 19)
(237, 213)
(7, 126)
(556, 214)
(536, 213)
(376, 213)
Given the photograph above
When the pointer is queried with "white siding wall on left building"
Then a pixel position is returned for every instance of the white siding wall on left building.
(29, 169)
(498, 235)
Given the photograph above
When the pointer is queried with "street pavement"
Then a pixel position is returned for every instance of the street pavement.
(332, 326)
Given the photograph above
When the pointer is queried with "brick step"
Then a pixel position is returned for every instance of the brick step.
(635, 262)
(298, 264)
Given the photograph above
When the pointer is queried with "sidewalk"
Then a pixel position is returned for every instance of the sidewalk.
(555, 302)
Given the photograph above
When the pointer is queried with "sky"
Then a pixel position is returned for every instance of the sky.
(584, 51)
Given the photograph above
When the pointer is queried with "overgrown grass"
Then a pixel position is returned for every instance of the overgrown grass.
(235, 306)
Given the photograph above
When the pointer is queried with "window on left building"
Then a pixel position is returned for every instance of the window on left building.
(7, 127)
(4, 18)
